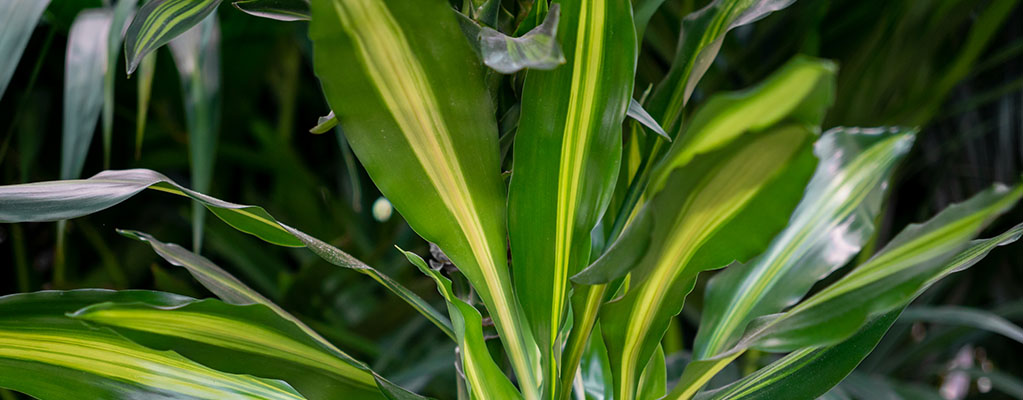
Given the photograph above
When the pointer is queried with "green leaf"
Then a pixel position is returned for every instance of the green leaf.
(595, 369)
(233, 291)
(915, 259)
(800, 91)
(84, 67)
(324, 124)
(249, 339)
(121, 13)
(637, 113)
(58, 200)
(964, 316)
(281, 10)
(47, 355)
(20, 19)
(483, 376)
(699, 41)
(537, 49)
(566, 158)
(197, 56)
(703, 219)
(160, 21)
(809, 372)
(830, 225)
(145, 89)
(409, 94)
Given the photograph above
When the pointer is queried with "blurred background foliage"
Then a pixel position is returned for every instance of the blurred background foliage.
(952, 67)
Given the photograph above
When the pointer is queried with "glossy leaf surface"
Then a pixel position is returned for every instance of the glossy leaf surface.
(281, 10)
(537, 49)
(160, 21)
(84, 67)
(17, 21)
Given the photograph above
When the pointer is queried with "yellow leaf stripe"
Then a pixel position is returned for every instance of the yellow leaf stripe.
(104, 356)
(403, 86)
(720, 194)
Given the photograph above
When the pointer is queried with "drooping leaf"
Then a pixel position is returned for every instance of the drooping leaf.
(737, 192)
(123, 10)
(196, 53)
(17, 21)
(246, 339)
(830, 225)
(699, 41)
(537, 49)
(964, 316)
(158, 22)
(567, 152)
(915, 259)
(483, 376)
(409, 93)
(281, 10)
(48, 355)
(58, 200)
(84, 67)
(233, 291)
(637, 113)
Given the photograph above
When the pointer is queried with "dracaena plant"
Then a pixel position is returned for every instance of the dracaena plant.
(614, 210)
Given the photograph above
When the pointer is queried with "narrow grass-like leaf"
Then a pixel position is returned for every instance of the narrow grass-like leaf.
(637, 113)
(484, 377)
(736, 192)
(123, 10)
(57, 200)
(144, 78)
(233, 291)
(915, 259)
(160, 21)
(700, 39)
(197, 55)
(537, 49)
(17, 21)
(48, 355)
(964, 316)
(84, 67)
(281, 10)
(566, 158)
(248, 339)
(409, 93)
(831, 224)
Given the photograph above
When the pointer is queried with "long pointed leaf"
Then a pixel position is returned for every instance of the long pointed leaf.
(123, 10)
(160, 21)
(57, 200)
(567, 152)
(85, 66)
(17, 21)
(48, 355)
(281, 10)
(409, 93)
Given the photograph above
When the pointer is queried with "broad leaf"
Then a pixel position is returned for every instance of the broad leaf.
(483, 376)
(197, 56)
(48, 355)
(831, 224)
(84, 67)
(281, 10)
(160, 21)
(567, 152)
(17, 21)
(57, 200)
(409, 94)
(700, 39)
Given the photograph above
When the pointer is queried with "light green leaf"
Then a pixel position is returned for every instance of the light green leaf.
(17, 21)
(324, 124)
(57, 200)
(121, 13)
(281, 10)
(48, 355)
(409, 93)
(637, 113)
(537, 49)
(197, 56)
(964, 316)
(566, 158)
(830, 225)
(699, 41)
(84, 67)
(145, 89)
(160, 21)
(483, 376)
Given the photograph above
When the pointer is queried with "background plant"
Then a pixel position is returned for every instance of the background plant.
(268, 145)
